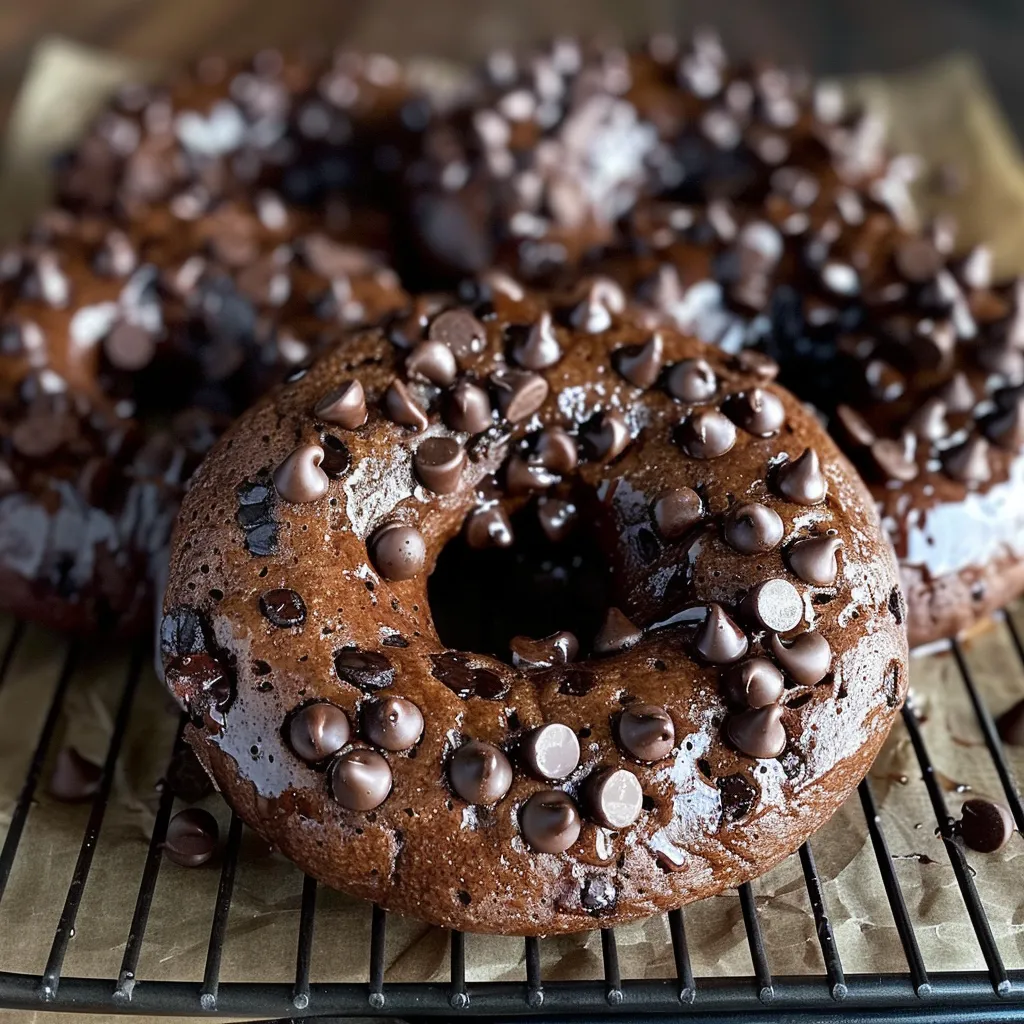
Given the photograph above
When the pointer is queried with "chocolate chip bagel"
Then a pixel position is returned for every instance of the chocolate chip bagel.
(547, 617)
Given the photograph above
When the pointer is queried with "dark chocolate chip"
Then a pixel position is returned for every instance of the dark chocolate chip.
(646, 732)
(855, 427)
(550, 821)
(801, 480)
(344, 406)
(556, 649)
(986, 826)
(522, 477)
(891, 458)
(754, 683)
(284, 608)
(464, 680)
(367, 670)
(432, 361)
(337, 457)
(814, 560)
(191, 837)
(360, 780)
(300, 478)
(758, 412)
(393, 723)
(74, 777)
(438, 463)
(536, 346)
(556, 450)
(738, 795)
(519, 393)
(1011, 725)
(641, 364)
(401, 408)
(557, 518)
(598, 895)
(807, 659)
(775, 605)
(676, 511)
(577, 683)
(399, 551)
(593, 313)
(692, 381)
(758, 732)
(753, 529)
(468, 408)
(749, 360)
(707, 434)
(488, 528)
(480, 773)
(318, 731)
(968, 462)
(551, 751)
(617, 633)
(605, 436)
(613, 797)
(1006, 427)
(461, 332)
(720, 641)
(182, 632)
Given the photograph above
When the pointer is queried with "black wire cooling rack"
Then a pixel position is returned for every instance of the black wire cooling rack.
(913, 994)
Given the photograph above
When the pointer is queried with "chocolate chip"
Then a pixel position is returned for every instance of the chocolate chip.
(488, 528)
(480, 773)
(801, 480)
(519, 393)
(957, 393)
(461, 332)
(676, 511)
(556, 649)
(337, 457)
(401, 408)
(758, 732)
(129, 347)
(775, 605)
(754, 683)
(367, 670)
(318, 731)
(187, 777)
(551, 751)
(753, 529)
(522, 477)
(758, 412)
(550, 821)
(891, 458)
(814, 560)
(393, 723)
(598, 895)
(182, 632)
(399, 551)
(464, 680)
(577, 683)
(468, 408)
(360, 780)
(968, 462)
(617, 633)
(191, 837)
(284, 608)
(344, 406)
(692, 380)
(646, 732)
(1011, 725)
(556, 450)
(1006, 427)
(738, 795)
(986, 826)
(720, 640)
(707, 434)
(855, 427)
(593, 313)
(556, 517)
(917, 259)
(605, 436)
(806, 659)
(536, 347)
(432, 361)
(74, 777)
(641, 364)
(749, 360)
(613, 797)
(299, 478)
(438, 463)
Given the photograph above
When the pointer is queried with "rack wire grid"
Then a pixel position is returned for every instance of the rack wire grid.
(910, 993)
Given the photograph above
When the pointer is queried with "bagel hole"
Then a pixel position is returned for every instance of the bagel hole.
(480, 600)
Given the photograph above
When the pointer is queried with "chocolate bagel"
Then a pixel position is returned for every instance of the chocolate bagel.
(546, 618)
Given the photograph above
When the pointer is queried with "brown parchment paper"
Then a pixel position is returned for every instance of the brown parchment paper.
(943, 112)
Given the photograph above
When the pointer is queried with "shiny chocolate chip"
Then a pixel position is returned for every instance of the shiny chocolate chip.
(854, 426)
(968, 463)
(466, 681)
(401, 408)
(758, 732)
(393, 723)
(557, 450)
(344, 406)
(801, 480)
(815, 560)
(337, 457)
(182, 632)
(719, 640)
(360, 780)
(676, 511)
(438, 463)
(461, 332)
(523, 477)
(775, 605)
(300, 478)
(282, 607)
(556, 649)
(758, 412)
(986, 826)
(399, 551)
(753, 529)
(605, 436)
(550, 821)
(536, 346)
(480, 773)
(891, 459)
(577, 683)
(739, 795)
(707, 434)
(641, 364)
(551, 751)
(318, 731)
(616, 634)
(556, 517)
(432, 361)
(692, 381)
(646, 732)
(488, 527)
(367, 670)
(191, 838)
(807, 659)
(468, 408)
(519, 393)
(754, 683)
(598, 896)
(613, 797)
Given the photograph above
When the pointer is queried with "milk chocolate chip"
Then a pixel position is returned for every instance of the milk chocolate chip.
(318, 731)
(613, 797)
(480, 773)
(393, 723)
(360, 780)
(550, 821)
(345, 406)
(399, 551)
(646, 732)
(299, 478)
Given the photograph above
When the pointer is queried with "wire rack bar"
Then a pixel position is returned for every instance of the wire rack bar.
(893, 892)
(73, 900)
(378, 933)
(13, 642)
(304, 947)
(459, 997)
(612, 974)
(219, 928)
(822, 925)
(534, 985)
(684, 970)
(755, 940)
